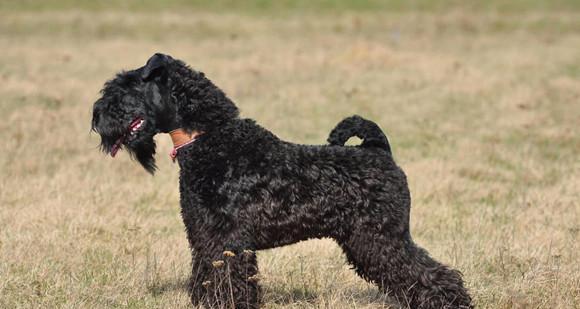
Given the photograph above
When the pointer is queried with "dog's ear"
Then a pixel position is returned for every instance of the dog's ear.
(155, 66)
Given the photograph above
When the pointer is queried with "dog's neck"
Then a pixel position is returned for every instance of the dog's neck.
(181, 138)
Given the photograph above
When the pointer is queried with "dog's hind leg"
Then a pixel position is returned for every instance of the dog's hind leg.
(405, 271)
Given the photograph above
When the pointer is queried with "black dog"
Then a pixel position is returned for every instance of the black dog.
(243, 189)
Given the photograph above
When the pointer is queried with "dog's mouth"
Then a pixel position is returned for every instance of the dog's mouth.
(134, 127)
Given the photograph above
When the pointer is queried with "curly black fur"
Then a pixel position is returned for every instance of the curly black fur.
(367, 130)
(243, 189)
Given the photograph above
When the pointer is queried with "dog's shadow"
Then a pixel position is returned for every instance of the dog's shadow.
(283, 296)
(158, 289)
(353, 296)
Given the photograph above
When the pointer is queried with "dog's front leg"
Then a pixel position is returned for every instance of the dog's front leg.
(196, 288)
(224, 276)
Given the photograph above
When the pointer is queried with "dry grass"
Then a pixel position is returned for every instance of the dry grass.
(482, 111)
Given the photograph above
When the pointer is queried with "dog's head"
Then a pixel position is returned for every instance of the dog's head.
(134, 106)
(159, 97)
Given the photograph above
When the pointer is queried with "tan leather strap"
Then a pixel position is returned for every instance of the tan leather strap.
(180, 138)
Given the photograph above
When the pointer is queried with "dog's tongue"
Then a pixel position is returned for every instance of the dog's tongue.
(116, 147)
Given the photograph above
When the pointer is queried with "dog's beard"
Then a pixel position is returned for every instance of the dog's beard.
(109, 136)
(144, 152)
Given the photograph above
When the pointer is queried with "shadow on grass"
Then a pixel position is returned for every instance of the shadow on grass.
(157, 289)
(358, 296)
(284, 296)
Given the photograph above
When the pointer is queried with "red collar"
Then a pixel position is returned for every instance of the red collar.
(180, 139)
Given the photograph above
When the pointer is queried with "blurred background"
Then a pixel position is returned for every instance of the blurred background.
(480, 100)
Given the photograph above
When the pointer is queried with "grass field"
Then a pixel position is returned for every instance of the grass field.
(481, 105)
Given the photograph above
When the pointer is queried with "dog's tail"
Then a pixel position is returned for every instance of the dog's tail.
(364, 129)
